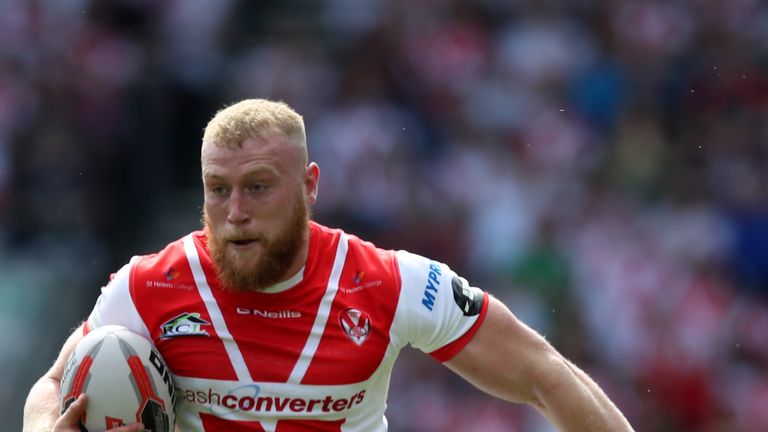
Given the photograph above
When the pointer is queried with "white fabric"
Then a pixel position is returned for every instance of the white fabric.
(425, 329)
(115, 304)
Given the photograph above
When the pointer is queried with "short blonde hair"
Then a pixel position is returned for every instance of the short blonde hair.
(254, 118)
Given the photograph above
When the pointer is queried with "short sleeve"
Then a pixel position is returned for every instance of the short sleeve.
(115, 305)
(440, 310)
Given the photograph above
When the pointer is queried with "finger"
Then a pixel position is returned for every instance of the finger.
(74, 411)
(70, 420)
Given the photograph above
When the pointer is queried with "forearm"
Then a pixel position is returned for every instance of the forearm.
(42, 406)
(572, 401)
(521, 366)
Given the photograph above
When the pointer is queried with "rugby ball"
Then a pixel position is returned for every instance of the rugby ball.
(125, 378)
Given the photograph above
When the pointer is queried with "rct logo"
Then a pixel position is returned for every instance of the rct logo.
(186, 324)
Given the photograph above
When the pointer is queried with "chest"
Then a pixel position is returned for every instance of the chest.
(318, 338)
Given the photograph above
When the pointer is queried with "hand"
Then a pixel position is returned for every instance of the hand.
(69, 421)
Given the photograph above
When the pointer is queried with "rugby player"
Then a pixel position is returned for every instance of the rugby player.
(273, 322)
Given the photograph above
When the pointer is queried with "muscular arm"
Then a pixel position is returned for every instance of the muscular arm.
(42, 407)
(509, 360)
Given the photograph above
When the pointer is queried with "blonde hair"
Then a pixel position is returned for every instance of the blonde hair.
(254, 118)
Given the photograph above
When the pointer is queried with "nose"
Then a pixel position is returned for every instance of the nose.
(238, 210)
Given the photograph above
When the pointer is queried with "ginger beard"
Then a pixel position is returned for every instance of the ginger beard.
(238, 272)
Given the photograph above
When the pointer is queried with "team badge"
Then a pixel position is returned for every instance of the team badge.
(356, 325)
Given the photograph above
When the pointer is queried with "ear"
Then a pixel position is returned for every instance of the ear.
(311, 179)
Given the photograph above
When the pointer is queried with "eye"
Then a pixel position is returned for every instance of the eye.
(257, 187)
(218, 189)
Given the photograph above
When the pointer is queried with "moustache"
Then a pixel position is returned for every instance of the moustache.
(232, 236)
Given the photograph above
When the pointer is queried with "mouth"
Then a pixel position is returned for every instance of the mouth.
(242, 243)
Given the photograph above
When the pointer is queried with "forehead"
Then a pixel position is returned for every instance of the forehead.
(274, 153)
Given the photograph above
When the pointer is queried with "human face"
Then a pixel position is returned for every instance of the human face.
(256, 210)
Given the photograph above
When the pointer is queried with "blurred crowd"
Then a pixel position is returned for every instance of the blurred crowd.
(598, 165)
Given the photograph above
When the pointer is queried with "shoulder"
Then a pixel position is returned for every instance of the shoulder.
(358, 251)
(419, 270)
(169, 261)
(429, 285)
(440, 308)
(404, 265)
(143, 287)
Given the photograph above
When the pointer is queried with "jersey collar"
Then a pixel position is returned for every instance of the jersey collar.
(286, 284)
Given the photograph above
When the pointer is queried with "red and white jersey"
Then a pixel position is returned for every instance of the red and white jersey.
(317, 356)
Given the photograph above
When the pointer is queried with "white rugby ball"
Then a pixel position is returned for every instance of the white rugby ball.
(125, 378)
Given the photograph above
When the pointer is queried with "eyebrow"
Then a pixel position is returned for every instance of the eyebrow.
(208, 174)
(213, 175)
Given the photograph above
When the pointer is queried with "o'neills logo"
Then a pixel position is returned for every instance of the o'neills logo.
(268, 313)
(241, 400)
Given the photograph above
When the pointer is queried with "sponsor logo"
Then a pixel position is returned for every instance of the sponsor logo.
(359, 277)
(433, 282)
(186, 324)
(468, 299)
(169, 280)
(249, 398)
(263, 313)
(356, 325)
(359, 285)
(169, 283)
(162, 370)
(171, 274)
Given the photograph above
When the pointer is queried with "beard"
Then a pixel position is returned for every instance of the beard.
(238, 272)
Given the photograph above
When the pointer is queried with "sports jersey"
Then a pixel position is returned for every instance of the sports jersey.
(316, 354)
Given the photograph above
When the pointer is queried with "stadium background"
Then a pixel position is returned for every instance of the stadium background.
(599, 165)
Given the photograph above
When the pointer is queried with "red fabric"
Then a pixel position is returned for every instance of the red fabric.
(163, 287)
(339, 359)
(212, 423)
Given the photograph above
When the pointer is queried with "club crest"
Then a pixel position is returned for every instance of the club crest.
(356, 325)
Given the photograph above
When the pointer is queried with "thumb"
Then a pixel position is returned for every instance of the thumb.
(71, 417)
